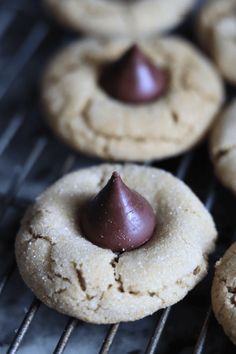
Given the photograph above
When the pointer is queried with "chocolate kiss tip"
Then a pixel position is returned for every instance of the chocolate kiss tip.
(118, 218)
(133, 78)
(115, 175)
(134, 48)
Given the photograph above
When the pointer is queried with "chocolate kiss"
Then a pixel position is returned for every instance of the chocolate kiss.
(134, 78)
(118, 218)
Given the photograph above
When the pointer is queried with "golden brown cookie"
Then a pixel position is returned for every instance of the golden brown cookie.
(83, 115)
(126, 18)
(223, 146)
(217, 33)
(224, 292)
(74, 276)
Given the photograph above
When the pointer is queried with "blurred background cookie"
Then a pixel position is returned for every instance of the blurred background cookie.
(119, 102)
(223, 146)
(224, 292)
(217, 33)
(127, 18)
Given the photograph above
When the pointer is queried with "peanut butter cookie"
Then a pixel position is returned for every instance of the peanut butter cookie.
(127, 18)
(224, 292)
(172, 98)
(59, 258)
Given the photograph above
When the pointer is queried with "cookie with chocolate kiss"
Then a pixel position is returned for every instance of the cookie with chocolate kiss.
(60, 260)
(121, 102)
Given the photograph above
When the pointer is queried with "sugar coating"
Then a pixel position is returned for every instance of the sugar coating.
(217, 33)
(70, 274)
(224, 292)
(223, 146)
(87, 119)
(119, 18)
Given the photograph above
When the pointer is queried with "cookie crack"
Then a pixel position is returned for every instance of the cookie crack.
(95, 299)
(52, 273)
(232, 291)
(79, 274)
(120, 285)
(58, 275)
(180, 282)
(35, 236)
(85, 110)
(224, 152)
(120, 138)
(117, 278)
(175, 116)
(86, 119)
(60, 291)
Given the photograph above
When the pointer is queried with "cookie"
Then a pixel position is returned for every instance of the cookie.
(124, 18)
(82, 114)
(224, 292)
(222, 146)
(217, 33)
(76, 277)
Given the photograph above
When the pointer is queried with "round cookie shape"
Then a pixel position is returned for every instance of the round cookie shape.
(85, 117)
(72, 275)
(217, 33)
(223, 146)
(224, 292)
(137, 18)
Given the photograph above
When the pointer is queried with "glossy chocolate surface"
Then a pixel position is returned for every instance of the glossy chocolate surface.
(118, 218)
(133, 78)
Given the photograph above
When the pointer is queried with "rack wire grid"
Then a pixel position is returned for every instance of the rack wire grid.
(27, 150)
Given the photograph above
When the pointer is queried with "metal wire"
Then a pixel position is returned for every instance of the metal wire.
(154, 340)
(184, 166)
(24, 327)
(10, 132)
(17, 182)
(7, 276)
(31, 44)
(5, 21)
(198, 349)
(61, 345)
(203, 334)
(109, 339)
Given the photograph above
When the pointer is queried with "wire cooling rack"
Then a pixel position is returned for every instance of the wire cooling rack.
(30, 160)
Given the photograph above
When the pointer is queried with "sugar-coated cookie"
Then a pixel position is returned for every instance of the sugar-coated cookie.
(127, 18)
(217, 33)
(74, 276)
(224, 292)
(82, 114)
